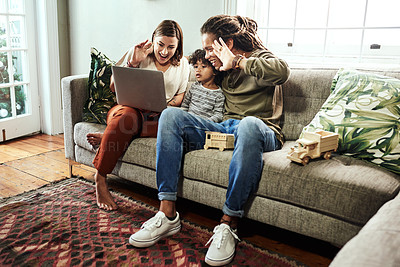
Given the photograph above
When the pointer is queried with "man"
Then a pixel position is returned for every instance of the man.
(252, 112)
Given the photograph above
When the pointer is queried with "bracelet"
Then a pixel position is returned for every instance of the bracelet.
(130, 65)
(236, 61)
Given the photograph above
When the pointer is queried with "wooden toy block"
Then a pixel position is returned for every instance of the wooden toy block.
(219, 140)
(314, 145)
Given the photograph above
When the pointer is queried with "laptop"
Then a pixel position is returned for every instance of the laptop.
(140, 88)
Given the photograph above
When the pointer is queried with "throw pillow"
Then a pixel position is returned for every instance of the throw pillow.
(101, 98)
(364, 109)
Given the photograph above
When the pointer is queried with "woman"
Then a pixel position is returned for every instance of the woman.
(163, 53)
(253, 106)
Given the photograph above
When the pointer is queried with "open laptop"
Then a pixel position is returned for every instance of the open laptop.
(140, 88)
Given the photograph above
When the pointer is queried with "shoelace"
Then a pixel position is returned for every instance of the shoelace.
(153, 222)
(220, 235)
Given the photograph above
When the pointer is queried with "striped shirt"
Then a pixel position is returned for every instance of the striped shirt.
(206, 103)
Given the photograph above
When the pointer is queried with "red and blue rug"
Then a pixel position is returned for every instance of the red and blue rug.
(60, 225)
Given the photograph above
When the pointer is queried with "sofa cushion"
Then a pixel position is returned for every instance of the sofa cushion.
(342, 187)
(364, 109)
(142, 151)
(354, 195)
(81, 129)
(303, 95)
(101, 98)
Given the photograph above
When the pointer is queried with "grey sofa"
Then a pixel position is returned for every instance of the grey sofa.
(378, 242)
(330, 200)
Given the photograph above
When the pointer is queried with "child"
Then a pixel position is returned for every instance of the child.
(205, 97)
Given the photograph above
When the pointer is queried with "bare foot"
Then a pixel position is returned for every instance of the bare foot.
(103, 196)
(94, 139)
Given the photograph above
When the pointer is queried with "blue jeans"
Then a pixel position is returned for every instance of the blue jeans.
(180, 131)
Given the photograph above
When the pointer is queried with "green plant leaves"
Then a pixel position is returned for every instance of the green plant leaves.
(364, 109)
(101, 98)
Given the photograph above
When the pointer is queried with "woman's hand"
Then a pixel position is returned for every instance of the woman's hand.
(222, 51)
(140, 52)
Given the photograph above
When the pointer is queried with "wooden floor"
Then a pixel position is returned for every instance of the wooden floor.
(30, 162)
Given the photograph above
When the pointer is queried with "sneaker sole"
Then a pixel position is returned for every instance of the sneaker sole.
(221, 262)
(148, 243)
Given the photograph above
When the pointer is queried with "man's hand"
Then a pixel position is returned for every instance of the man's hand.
(225, 55)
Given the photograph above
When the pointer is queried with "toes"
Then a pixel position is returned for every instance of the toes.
(102, 205)
(111, 207)
(107, 206)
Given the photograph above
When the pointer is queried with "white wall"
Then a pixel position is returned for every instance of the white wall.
(112, 26)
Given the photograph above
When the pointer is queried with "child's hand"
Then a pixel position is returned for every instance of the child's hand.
(141, 51)
(222, 51)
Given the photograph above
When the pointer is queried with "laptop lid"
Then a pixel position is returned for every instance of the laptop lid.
(140, 88)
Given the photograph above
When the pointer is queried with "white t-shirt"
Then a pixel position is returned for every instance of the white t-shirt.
(175, 77)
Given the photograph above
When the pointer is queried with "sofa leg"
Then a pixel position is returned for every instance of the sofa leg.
(70, 164)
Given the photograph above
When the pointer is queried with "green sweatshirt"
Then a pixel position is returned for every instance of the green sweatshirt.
(256, 91)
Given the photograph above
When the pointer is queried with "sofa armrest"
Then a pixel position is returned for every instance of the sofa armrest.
(74, 95)
(377, 243)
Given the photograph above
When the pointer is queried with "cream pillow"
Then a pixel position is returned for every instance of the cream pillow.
(364, 109)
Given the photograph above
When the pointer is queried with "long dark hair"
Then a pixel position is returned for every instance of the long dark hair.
(171, 28)
(242, 30)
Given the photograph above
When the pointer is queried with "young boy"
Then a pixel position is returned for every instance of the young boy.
(205, 97)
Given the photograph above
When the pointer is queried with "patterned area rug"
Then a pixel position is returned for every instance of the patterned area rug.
(60, 225)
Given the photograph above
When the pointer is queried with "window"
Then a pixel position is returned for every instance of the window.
(13, 72)
(328, 31)
(19, 98)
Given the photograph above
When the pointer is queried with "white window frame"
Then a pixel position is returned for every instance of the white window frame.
(49, 67)
(323, 59)
(45, 72)
(29, 122)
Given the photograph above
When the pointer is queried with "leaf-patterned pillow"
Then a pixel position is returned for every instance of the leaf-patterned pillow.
(364, 109)
(101, 98)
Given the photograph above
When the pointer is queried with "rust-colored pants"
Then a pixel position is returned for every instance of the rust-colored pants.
(123, 125)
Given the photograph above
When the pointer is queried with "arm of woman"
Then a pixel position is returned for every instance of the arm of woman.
(182, 81)
(176, 100)
(133, 57)
(140, 52)
(112, 86)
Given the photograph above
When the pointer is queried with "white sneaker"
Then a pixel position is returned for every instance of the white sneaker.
(222, 248)
(154, 229)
